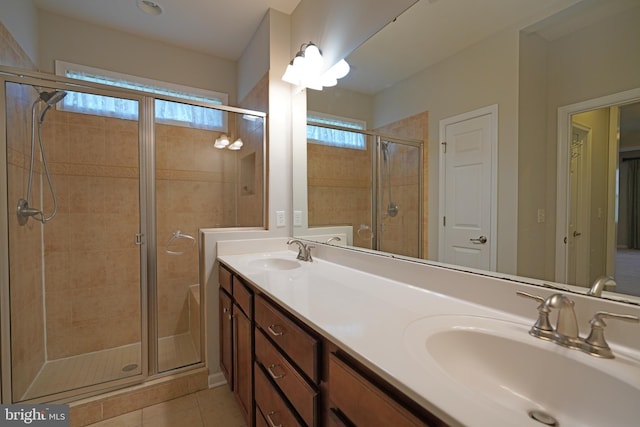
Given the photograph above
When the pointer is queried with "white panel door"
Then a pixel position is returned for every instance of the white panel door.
(467, 160)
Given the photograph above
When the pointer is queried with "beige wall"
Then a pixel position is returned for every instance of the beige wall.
(492, 72)
(342, 103)
(82, 43)
(482, 75)
(598, 60)
(20, 19)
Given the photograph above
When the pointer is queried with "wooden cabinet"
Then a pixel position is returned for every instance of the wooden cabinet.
(295, 376)
(355, 400)
(236, 339)
(295, 342)
(288, 358)
(225, 316)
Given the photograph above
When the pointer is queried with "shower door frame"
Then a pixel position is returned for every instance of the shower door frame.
(35, 79)
(376, 188)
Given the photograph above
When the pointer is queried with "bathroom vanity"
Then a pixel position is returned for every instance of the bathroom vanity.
(353, 338)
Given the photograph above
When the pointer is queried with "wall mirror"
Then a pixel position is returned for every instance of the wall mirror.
(549, 74)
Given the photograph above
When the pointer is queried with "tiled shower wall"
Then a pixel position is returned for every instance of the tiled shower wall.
(339, 188)
(24, 241)
(92, 275)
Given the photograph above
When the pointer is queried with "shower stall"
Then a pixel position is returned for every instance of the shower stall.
(375, 188)
(102, 201)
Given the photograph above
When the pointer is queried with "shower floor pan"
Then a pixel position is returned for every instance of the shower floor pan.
(107, 365)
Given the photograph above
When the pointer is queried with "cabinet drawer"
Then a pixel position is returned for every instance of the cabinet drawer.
(243, 296)
(260, 421)
(364, 404)
(301, 347)
(224, 278)
(300, 393)
(271, 404)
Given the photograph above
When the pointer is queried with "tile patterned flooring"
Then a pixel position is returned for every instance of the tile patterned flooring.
(215, 407)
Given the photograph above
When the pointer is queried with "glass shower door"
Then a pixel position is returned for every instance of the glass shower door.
(73, 170)
(398, 195)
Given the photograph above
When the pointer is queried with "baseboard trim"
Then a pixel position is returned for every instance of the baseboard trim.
(216, 380)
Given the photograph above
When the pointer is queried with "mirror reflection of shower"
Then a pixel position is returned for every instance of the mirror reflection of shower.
(45, 101)
(392, 207)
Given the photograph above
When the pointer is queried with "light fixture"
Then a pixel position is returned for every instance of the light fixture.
(237, 144)
(305, 69)
(223, 142)
(149, 7)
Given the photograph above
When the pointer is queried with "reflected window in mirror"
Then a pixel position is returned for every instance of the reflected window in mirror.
(334, 136)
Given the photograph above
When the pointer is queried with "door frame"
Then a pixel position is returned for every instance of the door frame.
(562, 182)
(492, 111)
(582, 254)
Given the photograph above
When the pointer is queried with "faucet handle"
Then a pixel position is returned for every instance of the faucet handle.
(595, 343)
(542, 328)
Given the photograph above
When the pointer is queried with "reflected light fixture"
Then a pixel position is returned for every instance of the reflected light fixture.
(223, 142)
(305, 69)
(237, 144)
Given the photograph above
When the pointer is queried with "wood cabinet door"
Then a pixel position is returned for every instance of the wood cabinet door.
(243, 362)
(226, 336)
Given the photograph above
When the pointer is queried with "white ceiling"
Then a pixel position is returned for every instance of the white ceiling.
(221, 28)
(426, 33)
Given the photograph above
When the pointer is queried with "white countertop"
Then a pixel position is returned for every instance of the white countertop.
(369, 316)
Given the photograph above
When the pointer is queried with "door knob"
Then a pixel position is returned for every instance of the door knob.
(479, 241)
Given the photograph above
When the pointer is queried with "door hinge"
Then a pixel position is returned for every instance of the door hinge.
(444, 221)
(138, 239)
(444, 146)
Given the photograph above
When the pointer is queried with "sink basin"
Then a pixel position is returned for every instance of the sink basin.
(274, 263)
(500, 362)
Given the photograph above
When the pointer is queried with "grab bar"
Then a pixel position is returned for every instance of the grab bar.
(176, 236)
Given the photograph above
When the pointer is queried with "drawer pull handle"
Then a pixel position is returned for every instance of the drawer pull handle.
(275, 330)
(271, 423)
(273, 374)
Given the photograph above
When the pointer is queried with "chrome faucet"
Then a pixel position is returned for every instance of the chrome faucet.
(304, 251)
(600, 284)
(566, 331)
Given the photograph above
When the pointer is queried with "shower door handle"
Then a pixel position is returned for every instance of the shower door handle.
(479, 241)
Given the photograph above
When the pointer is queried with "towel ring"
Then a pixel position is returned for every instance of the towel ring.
(176, 236)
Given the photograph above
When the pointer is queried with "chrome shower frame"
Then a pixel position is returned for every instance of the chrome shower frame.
(377, 170)
(147, 231)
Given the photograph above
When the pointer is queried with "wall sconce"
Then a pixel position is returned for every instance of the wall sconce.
(305, 69)
(223, 142)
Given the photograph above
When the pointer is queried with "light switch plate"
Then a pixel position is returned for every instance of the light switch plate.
(280, 219)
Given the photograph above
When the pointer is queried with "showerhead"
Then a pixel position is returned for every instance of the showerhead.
(53, 97)
(50, 98)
